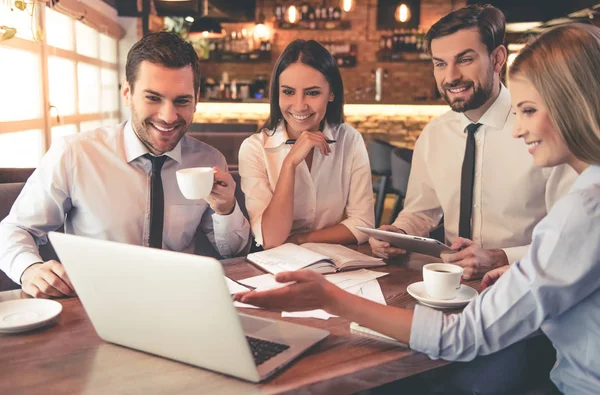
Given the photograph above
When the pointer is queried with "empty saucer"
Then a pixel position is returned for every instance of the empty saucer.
(22, 315)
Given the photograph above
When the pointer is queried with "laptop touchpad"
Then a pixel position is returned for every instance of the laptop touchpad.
(253, 325)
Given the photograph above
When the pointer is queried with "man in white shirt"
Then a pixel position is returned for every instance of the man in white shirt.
(119, 183)
(503, 195)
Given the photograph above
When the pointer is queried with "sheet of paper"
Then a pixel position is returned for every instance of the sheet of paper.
(353, 278)
(245, 305)
(370, 290)
(235, 287)
(320, 314)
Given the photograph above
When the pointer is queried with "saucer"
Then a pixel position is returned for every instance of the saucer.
(22, 315)
(464, 295)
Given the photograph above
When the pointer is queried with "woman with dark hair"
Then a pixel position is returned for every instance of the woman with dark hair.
(555, 287)
(306, 174)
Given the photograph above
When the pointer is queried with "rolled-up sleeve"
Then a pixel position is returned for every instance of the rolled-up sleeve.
(255, 184)
(359, 207)
(561, 268)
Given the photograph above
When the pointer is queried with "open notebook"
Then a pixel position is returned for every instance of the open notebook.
(320, 257)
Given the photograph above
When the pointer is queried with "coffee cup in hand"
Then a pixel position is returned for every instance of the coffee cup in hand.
(442, 280)
(196, 182)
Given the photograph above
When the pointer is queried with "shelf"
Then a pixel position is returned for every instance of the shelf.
(250, 57)
(402, 57)
(315, 25)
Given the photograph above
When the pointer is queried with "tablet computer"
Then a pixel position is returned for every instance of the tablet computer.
(421, 245)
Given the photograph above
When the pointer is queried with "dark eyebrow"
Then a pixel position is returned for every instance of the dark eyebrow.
(312, 87)
(287, 87)
(159, 95)
(458, 56)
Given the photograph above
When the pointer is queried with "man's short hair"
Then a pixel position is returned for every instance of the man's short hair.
(164, 49)
(489, 20)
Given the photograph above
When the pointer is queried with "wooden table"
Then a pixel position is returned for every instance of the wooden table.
(69, 357)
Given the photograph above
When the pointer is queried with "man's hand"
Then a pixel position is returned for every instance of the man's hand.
(475, 260)
(383, 249)
(309, 291)
(492, 276)
(47, 280)
(222, 196)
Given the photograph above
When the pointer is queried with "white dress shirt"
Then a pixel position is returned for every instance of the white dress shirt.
(555, 287)
(98, 185)
(510, 194)
(337, 189)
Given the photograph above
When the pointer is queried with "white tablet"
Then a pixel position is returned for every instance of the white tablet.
(421, 245)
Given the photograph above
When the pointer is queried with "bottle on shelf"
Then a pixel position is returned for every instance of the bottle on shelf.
(279, 12)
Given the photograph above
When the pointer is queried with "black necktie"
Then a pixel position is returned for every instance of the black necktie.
(157, 201)
(466, 183)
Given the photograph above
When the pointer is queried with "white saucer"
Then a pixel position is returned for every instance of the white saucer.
(22, 315)
(464, 295)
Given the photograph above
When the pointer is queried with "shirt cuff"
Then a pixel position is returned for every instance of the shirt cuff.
(21, 263)
(426, 330)
(226, 223)
(515, 254)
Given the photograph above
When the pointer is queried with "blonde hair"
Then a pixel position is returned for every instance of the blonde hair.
(563, 65)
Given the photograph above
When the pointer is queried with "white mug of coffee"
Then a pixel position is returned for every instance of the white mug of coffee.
(442, 280)
(195, 182)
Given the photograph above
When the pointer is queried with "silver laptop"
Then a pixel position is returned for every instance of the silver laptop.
(177, 306)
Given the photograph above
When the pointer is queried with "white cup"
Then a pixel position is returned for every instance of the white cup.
(442, 280)
(196, 182)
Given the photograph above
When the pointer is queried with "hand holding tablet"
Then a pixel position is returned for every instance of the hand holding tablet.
(410, 243)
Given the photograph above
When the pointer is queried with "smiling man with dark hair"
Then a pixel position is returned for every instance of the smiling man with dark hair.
(118, 183)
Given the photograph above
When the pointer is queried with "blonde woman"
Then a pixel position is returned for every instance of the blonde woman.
(555, 287)
(306, 175)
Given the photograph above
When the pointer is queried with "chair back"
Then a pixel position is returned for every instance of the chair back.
(8, 194)
(400, 159)
(13, 175)
(379, 157)
(227, 138)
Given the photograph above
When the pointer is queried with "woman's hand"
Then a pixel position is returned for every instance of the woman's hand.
(492, 276)
(304, 144)
(309, 291)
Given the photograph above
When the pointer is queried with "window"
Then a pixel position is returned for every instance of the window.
(55, 87)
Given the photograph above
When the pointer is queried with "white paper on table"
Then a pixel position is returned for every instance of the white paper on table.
(245, 305)
(346, 280)
(263, 281)
(320, 314)
(235, 287)
(370, 290)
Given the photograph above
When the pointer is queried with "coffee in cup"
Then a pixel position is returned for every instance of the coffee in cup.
(442, 280)
(195, 182)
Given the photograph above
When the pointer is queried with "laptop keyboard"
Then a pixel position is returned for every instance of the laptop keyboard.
(263, 350)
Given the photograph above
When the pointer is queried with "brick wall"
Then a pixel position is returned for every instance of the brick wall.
(407, 82)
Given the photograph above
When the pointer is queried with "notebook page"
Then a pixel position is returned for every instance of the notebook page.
(286, 257)
(343, 256)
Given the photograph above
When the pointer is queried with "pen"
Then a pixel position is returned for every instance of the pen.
(293, 141)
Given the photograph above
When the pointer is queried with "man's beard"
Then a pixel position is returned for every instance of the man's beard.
(141, 129)
(481, 94)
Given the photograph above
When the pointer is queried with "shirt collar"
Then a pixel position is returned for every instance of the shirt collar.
(134, 148)
(590, 176)
(280, 135)
(496, 116)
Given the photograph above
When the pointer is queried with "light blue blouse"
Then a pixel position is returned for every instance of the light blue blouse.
(555, 287)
